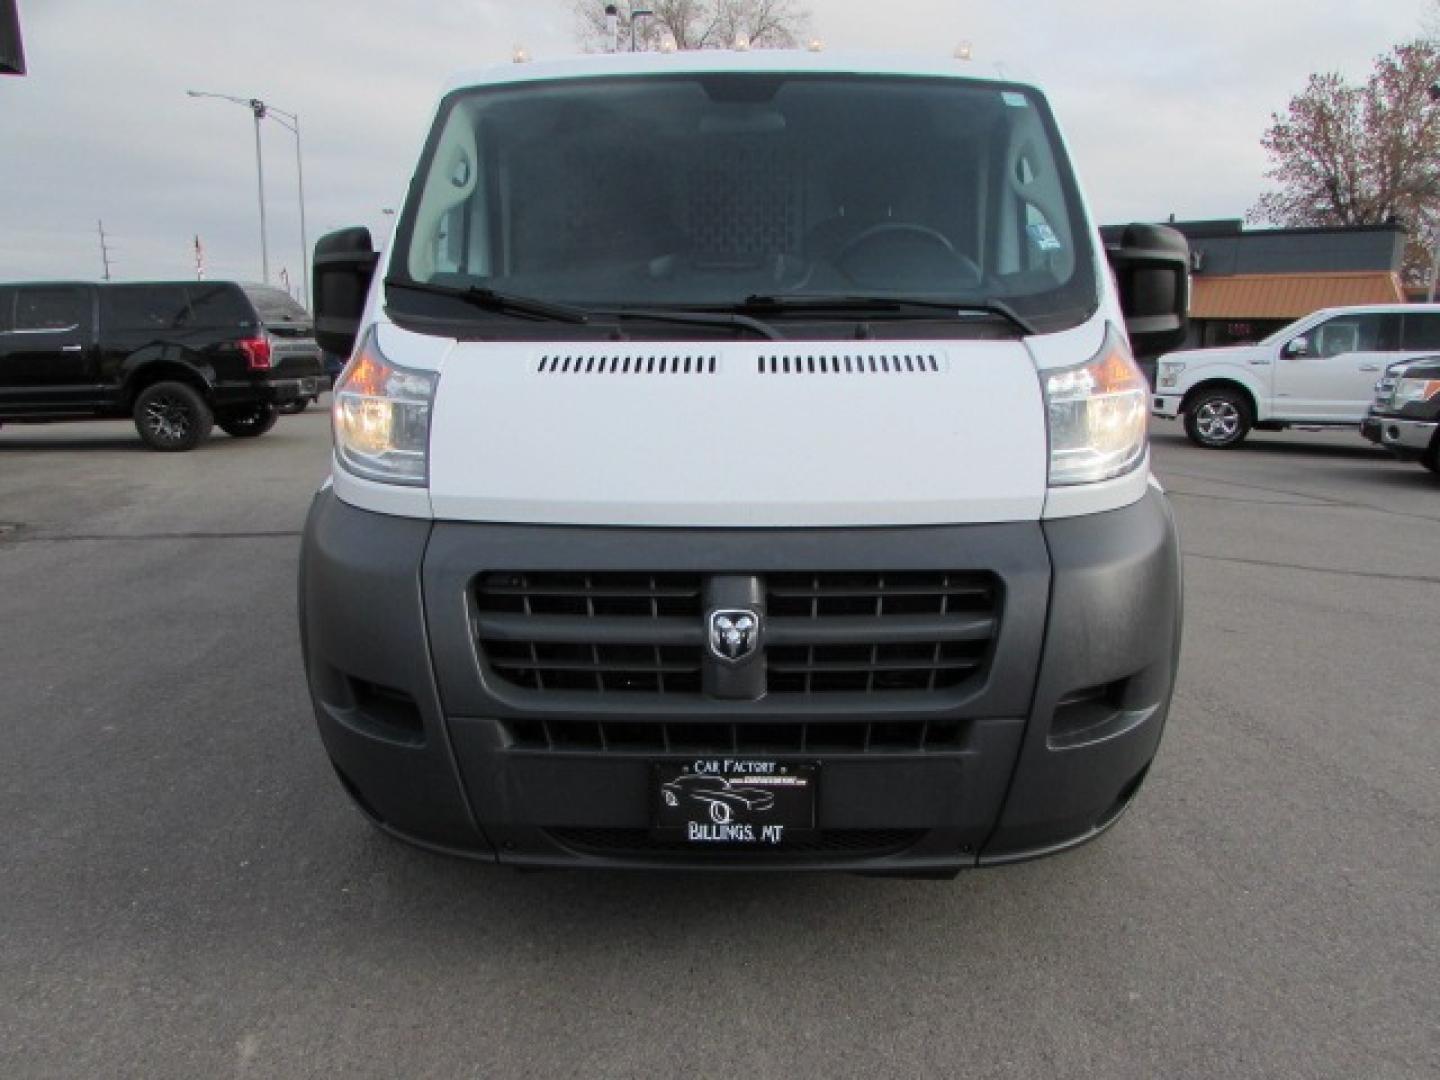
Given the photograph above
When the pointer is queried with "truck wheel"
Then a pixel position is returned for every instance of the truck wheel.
(292, 408)
(1217, 418)
(172, 417)
(1431, 458)
(249, 422)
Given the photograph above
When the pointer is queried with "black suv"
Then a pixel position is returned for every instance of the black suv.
(1405, 418)
(177, 357)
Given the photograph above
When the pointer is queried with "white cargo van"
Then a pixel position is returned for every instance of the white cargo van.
(741, 463)
(1320, 371)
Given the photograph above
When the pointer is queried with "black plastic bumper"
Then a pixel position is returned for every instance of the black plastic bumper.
(1054, 741)
(235, 394)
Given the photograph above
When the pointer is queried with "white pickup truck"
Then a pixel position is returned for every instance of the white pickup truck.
(1318, 371)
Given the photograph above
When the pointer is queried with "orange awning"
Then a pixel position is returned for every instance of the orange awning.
(1289, 296)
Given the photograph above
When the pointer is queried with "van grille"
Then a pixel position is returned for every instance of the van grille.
(825, 632)
(652, 737)
(866, 632)
(605, 632)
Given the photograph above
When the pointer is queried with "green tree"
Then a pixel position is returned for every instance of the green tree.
(1346, 154)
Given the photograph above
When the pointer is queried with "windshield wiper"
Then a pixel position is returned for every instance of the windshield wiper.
(491, 300)
(694, 318)
(878, 304)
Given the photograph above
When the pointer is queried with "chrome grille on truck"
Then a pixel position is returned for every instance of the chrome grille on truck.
(825, 632)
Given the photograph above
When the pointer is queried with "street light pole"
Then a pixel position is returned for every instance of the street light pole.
(262, 110)
(291, 122)
(259, 111)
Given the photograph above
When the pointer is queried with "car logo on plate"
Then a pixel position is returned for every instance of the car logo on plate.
(734, 634)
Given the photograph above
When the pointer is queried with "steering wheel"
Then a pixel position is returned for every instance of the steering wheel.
(893, 228)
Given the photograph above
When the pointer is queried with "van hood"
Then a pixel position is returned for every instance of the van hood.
(738, 434)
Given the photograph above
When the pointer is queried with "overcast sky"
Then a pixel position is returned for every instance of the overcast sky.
(1163, 104)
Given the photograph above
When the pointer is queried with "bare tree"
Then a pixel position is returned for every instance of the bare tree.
(1344, 154)
(696, 24)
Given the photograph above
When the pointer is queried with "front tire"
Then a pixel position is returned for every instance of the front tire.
(1431, 458)
(250, 422)
(1217, 419)
(172, 417)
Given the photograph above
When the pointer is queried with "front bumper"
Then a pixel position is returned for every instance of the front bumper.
(1166, 406)
(1370, 428)
(1407, 438)
(1053, 743)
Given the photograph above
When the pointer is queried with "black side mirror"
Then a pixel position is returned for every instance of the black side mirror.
(1299, 346)
(344, 265)
(12, 48)
(1152, 269)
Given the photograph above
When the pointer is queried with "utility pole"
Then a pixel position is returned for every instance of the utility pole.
(199, 259)
(104, 249)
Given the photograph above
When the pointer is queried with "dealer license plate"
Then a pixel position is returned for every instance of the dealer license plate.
(746, 801)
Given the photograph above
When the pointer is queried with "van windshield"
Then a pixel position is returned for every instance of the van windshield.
(700, 191)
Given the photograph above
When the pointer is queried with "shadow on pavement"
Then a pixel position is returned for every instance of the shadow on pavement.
(1260, 446)
(18, 441)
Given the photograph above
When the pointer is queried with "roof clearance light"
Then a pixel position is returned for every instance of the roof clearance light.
(742, 42)
(963, 51)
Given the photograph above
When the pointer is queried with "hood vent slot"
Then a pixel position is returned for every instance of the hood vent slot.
(627, 365)
(864, 364)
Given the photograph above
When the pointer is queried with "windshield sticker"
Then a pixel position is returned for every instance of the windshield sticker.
(1043, 236)
(1014, 100)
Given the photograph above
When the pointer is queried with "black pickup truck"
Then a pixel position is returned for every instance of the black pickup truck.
(1405, 417)
(176, 357)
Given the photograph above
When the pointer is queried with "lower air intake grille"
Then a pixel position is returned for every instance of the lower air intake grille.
(830, 737)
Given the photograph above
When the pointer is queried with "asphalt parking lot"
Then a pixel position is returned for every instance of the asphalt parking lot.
(184, 890)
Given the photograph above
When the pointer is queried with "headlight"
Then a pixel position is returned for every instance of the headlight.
(1097, 415)
(1409, 391)
(1170, 372)
(381, 418)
